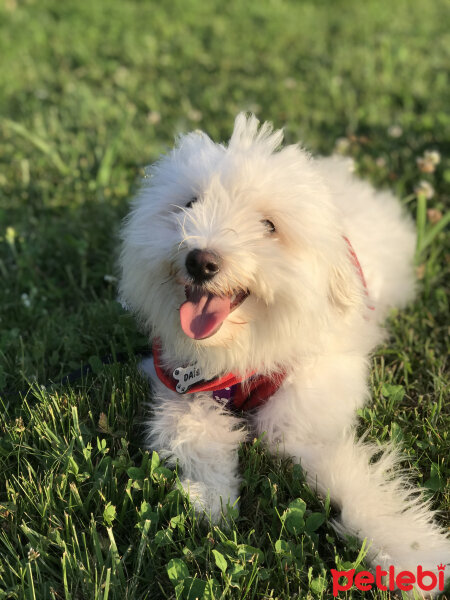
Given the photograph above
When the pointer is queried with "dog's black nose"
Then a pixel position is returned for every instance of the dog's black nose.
(202, 264)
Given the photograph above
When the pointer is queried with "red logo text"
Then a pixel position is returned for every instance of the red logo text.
(403, 580)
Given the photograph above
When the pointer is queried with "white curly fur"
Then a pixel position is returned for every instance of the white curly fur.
(307, 313)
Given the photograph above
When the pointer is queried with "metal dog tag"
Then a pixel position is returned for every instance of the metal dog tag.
(186, 377)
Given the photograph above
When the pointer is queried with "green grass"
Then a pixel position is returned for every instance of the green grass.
(90, 92)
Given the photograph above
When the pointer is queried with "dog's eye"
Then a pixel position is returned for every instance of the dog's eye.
(191, 202)
(268, 225)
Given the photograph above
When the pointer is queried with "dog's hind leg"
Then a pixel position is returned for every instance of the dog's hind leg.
(376, 502)
(203, 439)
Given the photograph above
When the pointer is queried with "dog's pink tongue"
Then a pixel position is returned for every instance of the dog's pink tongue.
(203, 313)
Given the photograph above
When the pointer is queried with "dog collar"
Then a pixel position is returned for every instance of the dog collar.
(233, 391)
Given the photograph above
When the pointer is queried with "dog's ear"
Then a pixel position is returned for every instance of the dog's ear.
(344, 289)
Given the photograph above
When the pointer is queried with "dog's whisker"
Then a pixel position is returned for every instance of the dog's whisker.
(168, 280)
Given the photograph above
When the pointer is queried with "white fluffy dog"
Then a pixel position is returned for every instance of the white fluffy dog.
(264, 276)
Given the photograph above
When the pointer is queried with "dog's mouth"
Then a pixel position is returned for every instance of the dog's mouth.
(203, 313)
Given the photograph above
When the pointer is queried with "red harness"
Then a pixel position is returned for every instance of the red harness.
(358, 268)
(233, 391)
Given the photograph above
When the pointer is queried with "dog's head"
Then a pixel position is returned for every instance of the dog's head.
(234, 255)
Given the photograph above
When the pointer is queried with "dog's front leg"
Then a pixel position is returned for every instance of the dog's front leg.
(376, 503)
(196, 433)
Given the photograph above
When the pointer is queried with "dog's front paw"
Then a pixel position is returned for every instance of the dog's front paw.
(209, 502)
